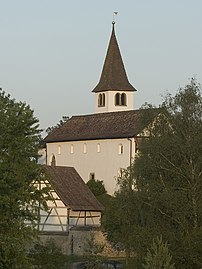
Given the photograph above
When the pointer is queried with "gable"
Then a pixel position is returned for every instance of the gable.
(71, 189)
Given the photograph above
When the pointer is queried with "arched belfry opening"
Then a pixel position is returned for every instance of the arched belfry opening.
(101, 100)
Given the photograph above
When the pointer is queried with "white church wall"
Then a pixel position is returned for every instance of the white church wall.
(101, 158)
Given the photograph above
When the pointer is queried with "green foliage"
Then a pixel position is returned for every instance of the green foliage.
(125, 218)
(59, 124)
(162, 193)
(96, 186)
(92, 252)
(158, 256)
(19, 198)
(48, 256)
(169, 172)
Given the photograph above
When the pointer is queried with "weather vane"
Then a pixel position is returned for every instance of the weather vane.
(114, 13)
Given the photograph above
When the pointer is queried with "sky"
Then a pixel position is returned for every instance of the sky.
(52, 51)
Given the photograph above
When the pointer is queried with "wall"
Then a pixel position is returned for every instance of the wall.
(105, 164)
(110, 102)
(74, 242)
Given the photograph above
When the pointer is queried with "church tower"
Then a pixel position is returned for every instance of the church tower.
(113, 92)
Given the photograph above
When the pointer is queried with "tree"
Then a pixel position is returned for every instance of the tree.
(96, 186)
(158, 256)
(124, 221)
(19, 198)
(59, 124)
(93, 252)
(162, 193)
(169, 174)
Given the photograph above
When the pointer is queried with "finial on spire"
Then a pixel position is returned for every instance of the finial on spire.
(114, 13)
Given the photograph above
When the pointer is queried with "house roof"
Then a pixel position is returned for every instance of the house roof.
(71, 189)
(113, 76)
(122, 124)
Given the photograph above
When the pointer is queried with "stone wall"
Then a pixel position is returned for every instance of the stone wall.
(74, 242)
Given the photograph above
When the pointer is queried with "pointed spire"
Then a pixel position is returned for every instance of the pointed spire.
(113, 76)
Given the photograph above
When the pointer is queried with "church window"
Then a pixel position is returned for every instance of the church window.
(92, 176)
(120, 172)
(117, 99)
(71, 148)
(120, 99)
(53, 161)
(84, 148)
(98, 148)
(120, 149)
(123, 99)
(59, 150)
(136, 147)
(101, 99)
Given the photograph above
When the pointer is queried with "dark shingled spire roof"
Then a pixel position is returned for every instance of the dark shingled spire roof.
(113, 75)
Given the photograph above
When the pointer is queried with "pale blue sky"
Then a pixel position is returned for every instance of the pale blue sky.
(52, 51)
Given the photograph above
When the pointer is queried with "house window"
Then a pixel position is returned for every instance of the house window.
(71, 148)
(84, 148)
(120, 149)
(101, 99)
(98, 148)
(92, 176)
(59, 150)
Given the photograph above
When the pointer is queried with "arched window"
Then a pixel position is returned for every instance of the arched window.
(98, 148)
(117, 99)
(123, 99)
(120, 99)
(101, 99)
(120, 172)
(120, 149)
(84, 148)
(59, 150)
(53, 161)
(71, 148)
(91, 176)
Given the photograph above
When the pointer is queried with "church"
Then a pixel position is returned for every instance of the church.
(99, 145)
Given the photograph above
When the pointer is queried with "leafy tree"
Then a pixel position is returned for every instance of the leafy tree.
(59, 124)
(158, 256)
(169, 174)
(96, 186)
(92, 252)
(19, 198)
(162, 193)
(125, 219)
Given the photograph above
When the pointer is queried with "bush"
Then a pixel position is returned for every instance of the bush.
(48, 256)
